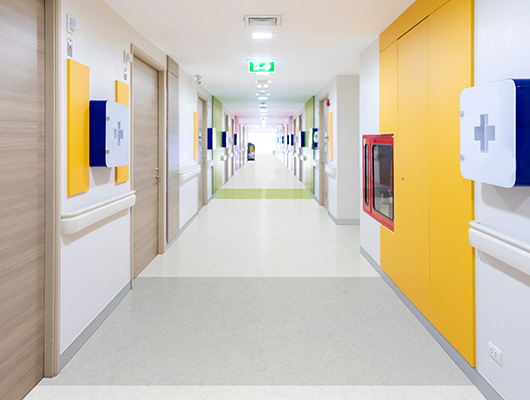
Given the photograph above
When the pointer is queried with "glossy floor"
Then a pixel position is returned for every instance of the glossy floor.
(261, 299)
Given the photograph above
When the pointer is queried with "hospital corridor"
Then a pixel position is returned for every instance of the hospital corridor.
(273, 319)
(264, 200)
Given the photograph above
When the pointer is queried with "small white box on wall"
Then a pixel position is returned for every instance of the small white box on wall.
(495, 133)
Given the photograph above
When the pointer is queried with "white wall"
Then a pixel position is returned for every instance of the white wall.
(502, 34)
(343, 191)
(95, 263)
(188, 104)
(331, 90)
(369, 123)
(263, 139)
(347, 138)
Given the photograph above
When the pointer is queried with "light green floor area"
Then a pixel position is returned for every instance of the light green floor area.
(263, 194)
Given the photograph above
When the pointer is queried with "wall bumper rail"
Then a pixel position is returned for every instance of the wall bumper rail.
(331, 171)
(76, 221)
(509, 250)
(189, 173)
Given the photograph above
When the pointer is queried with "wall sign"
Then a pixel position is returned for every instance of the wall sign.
(495, 133)
(109, 134)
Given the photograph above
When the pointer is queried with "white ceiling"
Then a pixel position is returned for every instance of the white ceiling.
(318, 39)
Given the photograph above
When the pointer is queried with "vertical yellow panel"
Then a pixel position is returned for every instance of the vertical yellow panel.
(122, 97)
(388, 90)
(405, 253)
(330, 123)
(451, 196)
(122, 93)
(195, 135)
(78, 150)
(406, 21)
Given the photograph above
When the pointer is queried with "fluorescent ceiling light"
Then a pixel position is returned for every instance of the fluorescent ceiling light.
(262, 35)
(260, 86)
(263, 98)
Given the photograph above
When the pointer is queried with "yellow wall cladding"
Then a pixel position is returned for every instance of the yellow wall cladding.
(78, 146)
(195, 135)
(122, 97)
(426, 60)
(416, 13)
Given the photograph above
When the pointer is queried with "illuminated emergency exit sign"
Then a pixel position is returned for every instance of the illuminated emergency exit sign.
(256, 66)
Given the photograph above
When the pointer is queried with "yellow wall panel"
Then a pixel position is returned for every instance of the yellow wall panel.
(78, 150)
(422, 74)
(195, 135)
(388, 90)
(122, 97)
(330, 133)
(416, 13)
(406, 253)
(122, 93)
(451, 196)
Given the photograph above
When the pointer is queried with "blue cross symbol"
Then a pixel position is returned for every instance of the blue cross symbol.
(118, 134)
(484, 133)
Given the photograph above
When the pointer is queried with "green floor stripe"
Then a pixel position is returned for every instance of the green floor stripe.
(263, 194)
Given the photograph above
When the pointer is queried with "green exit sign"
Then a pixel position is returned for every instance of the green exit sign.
(256, 66)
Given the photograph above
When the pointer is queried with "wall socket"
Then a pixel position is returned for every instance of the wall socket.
(495, 353)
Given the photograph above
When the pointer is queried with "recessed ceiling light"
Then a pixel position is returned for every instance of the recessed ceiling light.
(260, 86)
(265, 86)
(263, 98)
(262, 35)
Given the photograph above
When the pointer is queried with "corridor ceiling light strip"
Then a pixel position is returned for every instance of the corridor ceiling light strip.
(263, 98)
(262, 35)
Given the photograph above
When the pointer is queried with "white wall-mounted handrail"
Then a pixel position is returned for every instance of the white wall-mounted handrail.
(75, 221)
(511, 251)
(189, 173)
(331, 171)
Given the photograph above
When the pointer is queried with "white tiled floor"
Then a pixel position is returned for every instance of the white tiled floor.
(261, 299)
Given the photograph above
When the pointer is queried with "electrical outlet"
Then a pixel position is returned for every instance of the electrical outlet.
(495, 353)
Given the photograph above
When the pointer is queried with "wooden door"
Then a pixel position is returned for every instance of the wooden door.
(145, 165)
(201, 179)
(22, 201)
(324, 152)
(173, 181)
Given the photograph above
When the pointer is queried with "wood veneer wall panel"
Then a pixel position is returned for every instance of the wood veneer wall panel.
(22, 127)
(173, 170)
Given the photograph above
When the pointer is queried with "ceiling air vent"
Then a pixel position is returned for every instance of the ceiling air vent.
(263, 20)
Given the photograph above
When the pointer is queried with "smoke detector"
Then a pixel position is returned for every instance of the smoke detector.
(263, 20)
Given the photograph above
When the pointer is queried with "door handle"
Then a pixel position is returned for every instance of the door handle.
(158, 177)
